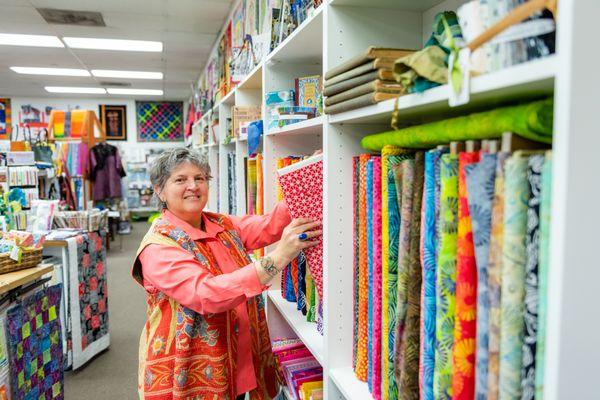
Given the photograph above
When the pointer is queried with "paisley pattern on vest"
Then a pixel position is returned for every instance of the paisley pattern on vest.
(186, 355)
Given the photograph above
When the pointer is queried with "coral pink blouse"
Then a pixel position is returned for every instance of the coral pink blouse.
(172, 270)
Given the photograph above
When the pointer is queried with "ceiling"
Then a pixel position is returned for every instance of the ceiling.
(187, 28)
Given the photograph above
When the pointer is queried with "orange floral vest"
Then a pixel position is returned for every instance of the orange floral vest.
(186, 355)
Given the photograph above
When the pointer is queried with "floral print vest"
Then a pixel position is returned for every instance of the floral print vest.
(186, 355)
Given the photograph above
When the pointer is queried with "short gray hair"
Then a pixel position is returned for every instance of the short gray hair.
(172, 158)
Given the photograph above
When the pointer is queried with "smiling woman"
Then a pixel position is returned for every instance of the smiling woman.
(206, 333)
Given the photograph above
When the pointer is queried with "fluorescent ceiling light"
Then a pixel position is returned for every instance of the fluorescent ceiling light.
(51, 71)
(141, 92)
(109, 73)
(113, 44)
(70, 89)
(13, 39)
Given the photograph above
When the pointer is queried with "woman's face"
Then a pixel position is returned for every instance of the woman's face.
(186, 191)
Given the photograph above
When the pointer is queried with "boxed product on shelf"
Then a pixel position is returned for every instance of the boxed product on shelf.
(15, 158)
(244, 115)
(308, 90)
(273, 101)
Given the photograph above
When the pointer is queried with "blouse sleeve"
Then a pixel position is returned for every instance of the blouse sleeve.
(176, 273)
(258, 231)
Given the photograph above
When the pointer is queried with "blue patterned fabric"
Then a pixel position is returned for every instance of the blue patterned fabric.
(429, 237)
(481, 179)
(370, 270)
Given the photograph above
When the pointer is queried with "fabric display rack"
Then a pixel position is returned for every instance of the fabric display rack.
(389, 318)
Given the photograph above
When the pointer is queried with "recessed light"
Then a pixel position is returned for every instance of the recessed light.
(109, 73)
(70, 89)
(113, 44)
(51, 71)
(13, 39)
(141, 92)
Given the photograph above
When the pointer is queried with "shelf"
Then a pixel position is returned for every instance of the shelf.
(311, 126)
(15, 279)
(304, 44)
(252, 81)
(525, 81)
(349, 385)
(306, 331)
(406, 5)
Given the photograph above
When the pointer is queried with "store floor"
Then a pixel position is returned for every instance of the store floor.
(113, 374)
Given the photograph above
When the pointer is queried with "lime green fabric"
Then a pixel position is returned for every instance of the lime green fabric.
(532, 121)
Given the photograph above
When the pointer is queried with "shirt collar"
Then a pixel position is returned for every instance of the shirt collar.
(212, 228)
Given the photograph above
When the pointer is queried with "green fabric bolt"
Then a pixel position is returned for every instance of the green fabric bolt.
(446, 278)
(512, 308)
(532, 121)
(429, 63)
(544, 262)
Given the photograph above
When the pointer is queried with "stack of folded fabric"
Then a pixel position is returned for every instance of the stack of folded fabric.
(363, 80)
(302, 373)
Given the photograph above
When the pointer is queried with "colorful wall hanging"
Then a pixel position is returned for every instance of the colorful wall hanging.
(114, 121)
(159, 121)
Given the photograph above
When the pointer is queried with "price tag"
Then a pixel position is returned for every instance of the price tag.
(459, 77)
(15, 253)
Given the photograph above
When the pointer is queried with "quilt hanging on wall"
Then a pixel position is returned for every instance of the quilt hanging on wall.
(159, 121)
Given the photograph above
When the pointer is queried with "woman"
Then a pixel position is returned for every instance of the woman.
(206, 336)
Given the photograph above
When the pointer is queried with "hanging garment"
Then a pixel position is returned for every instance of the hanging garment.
(534, 179)
(376, 289)
(480, 179)
(429, 242)
(495, 279)
(106, 171)
(361, 354)
(409, 367)
(446, 277)
(463, 373)
(404, 175)
(516, 195)
(391, 194)
(544, 261)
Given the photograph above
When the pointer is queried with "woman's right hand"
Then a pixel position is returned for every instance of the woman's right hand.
(290, 245)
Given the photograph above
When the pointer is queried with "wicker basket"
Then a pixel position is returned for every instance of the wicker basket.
(29, 259)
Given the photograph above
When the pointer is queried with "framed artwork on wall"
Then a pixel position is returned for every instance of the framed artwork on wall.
(114, 121)
(5, 120)
(159, 121)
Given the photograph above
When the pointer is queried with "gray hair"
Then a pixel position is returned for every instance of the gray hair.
(172, 158)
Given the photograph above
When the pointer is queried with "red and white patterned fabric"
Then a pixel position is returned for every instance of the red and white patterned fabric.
(302, 187)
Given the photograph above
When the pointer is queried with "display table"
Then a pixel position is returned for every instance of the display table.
(13, 280)
(82, 271)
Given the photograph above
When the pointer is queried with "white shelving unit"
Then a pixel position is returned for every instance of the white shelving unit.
(340, 29)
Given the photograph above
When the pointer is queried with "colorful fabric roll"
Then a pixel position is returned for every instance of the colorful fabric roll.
(390, 156)
(355, 192)
(428, 249)
(376, 289)
(446, 278)
(480, 179)
(516, 195)
(361, 356)
(301, 304)
(404, 175)
(463, 373)
(544, 262)
(534, 179)
(409, 382)
(495, 279)
(310, 297)
(370, 273)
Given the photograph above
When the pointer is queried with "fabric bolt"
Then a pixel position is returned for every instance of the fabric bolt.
(362, 366)
(405, 176)
(480, 179)
(544, 261)
(319, 314)
(446, 278)
(516, 195)
(409, 367)
(301, 304)
(376, 289)
(532, 242)
(428, 249)
(495, 279)
(463, 373)
(370, 273)
(357, 221)
(390, 156)
(35, 346)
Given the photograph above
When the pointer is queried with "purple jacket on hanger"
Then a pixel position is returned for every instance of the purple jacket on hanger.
(106, 171)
